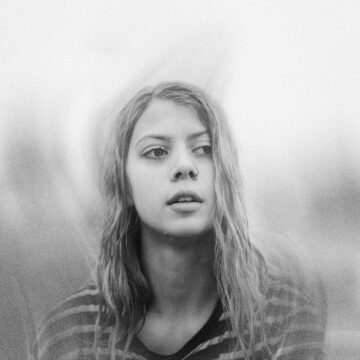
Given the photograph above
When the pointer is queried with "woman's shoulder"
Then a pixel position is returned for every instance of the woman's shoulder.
(285, 295)
(286, 286)
(69, 325)
(291, 280)
(294, 321)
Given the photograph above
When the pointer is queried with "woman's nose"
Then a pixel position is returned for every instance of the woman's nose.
(183, 167)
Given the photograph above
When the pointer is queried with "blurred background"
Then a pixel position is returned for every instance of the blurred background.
(287, 74)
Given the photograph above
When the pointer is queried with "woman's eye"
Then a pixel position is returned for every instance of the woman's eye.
(205, 149)
(156, 153)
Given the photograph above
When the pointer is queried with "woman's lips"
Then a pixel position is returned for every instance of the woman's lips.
(185, 197)
(185, 207)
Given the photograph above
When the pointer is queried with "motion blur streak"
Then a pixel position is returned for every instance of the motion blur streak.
(287, 75)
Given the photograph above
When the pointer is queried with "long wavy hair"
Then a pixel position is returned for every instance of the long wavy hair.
(125, 294)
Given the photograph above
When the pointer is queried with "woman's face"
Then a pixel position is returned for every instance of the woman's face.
(171, 171)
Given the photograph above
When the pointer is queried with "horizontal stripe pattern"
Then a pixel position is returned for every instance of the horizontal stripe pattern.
(87, 353)
(291, 326)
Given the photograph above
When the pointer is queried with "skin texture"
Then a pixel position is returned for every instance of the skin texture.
(158, 168)
(170, 151)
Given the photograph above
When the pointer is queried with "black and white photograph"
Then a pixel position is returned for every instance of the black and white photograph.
(180, 180)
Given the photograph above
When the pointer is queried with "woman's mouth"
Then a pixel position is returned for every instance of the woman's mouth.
(184, 197)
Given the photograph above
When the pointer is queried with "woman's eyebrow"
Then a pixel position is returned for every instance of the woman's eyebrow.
(167, 138)
(198, 134)
(152, 137)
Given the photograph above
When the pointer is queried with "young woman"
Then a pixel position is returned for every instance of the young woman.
(178, 277)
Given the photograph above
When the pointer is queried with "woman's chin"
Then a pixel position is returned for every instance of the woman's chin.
(186, 229)
(189, 233)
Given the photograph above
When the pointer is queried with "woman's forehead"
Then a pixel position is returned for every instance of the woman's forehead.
(168, 117)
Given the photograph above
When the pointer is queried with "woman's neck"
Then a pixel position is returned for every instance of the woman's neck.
(180, 272)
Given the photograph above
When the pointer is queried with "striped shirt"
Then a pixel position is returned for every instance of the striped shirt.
(292, 328)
